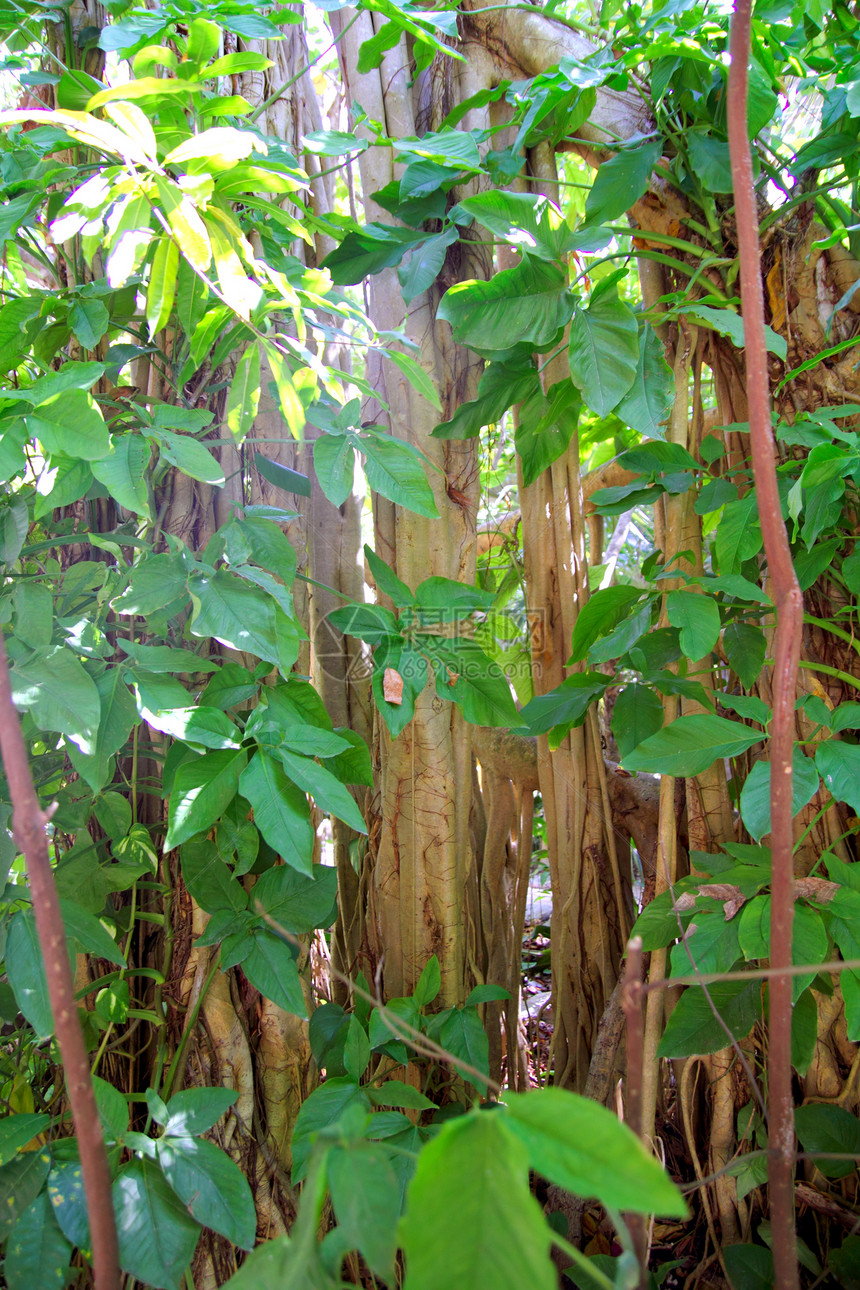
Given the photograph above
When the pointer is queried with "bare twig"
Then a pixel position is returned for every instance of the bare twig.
(631, 1002)
(789, 609)
(29, 822)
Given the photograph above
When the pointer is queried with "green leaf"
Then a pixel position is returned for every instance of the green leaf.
(209, 879)
(123, 472)
(528, 303)
(692, 1029)
(208, 727)
(113, 1109)
(395, 1093)
(470, 678)
(488, 994)
(698, 618)
(755, 795)
(236, 614)
(601, 612)
(369, 250)
(243, 401)
(424, 265)
(828, 1128)
(471, 1219)
(17, 1130)
(89, 934)
(59, 694)
(646, 405)
(547, 424)
(527, 221)
(297, 902)
(709, 158)
(281, 810)
(37, 1254)
(387, 580)
(690, 745)
(730, 324)
(365, 1196)
(621, 181)
(838, 764)
(271, 968)
(415, 375)
(604, 351)
(153, 583)
(211, 1186)
(500, 387)
(750, 1267)
(566, 705)
(429, 983)
(71, 423)
(738, 534)
(334, 463)
(67, 1195)
(462, 1035)
(638, 714)
(328, 793)
(157, 1236)
(189, 456)
(281, 476)
(21, 1180)
(745, 650)
(393, 469)
(161, 290)
(202, 790)
(195, 1110)
(580, 1146)
(89, 320)
(25, 971)
(804, 1032)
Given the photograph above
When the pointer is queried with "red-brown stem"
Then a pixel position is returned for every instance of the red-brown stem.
(789, 626)
(631, 1002)
(29, 827)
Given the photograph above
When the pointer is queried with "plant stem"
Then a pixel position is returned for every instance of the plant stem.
(788, 600)
(29, 829)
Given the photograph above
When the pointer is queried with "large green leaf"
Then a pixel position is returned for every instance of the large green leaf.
(281, 810)
(604, 351)
(59, 694)
(471, 1219)
(500, 387)
(526, 221)
(745, 648)
(157, 1236)
(647, 403)
(425, 264)
(698, 618)
(235, 613)
(621, 181)
(394, 469)
(334, 463)
(528, 303)
(21, 1180)
(123, 473)
(637, 714)
(546, 425)
(693, 1030)
(597, 617)
(365, 1195)
(580, 1146)
(203, 788)
(328, 793)
(755, 795)
(25, 970)
(71, 423)
(690, 745)
(838, 764)
(208, 878)
(211, 1186)
(297, 902)
(189, 456)
(324, 1107)
(470, 678)
(244, 397)
(38, 1253)
(566, 705)
(831, 1129)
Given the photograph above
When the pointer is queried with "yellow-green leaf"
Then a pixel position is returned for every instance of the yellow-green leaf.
(161, 291)
(244, 397)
